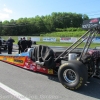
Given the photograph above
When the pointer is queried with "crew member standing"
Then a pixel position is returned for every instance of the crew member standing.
(10, 45)
(23, 44)
(0, 45)
(19, 46)
(29, 43)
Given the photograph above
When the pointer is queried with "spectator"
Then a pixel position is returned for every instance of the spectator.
(19, 46)
(23, 44)
(10, 45)
(29, 43)
(0, 44)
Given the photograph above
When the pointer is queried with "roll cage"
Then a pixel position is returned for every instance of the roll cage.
(93, 28)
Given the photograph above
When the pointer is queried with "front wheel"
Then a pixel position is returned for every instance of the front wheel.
(73, 75)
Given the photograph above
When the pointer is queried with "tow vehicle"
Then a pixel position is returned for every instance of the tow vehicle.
(4, 44)
(78, 67)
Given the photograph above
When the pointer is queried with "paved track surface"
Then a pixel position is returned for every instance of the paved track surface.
(37, 86)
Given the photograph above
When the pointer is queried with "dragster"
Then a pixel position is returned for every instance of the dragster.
(78, 67)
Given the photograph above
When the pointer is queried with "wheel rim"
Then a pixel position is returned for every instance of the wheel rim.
(69, 76)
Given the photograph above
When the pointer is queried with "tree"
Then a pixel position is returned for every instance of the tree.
(42, 24)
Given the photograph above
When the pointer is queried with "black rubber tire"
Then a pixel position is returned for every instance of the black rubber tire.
(80, 71)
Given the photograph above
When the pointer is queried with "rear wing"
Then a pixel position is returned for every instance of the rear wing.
(91, 23)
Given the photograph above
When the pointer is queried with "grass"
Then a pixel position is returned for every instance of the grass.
(57, 43)
(65, 34)
(93, 45)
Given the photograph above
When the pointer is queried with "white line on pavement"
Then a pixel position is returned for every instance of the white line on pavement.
(13, 92)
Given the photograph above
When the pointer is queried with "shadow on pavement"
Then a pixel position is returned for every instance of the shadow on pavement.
(91, 88)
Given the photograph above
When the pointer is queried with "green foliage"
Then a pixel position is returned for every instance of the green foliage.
(67, 32)
(56, 22)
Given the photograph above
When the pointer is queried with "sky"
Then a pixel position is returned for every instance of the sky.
(15, 9)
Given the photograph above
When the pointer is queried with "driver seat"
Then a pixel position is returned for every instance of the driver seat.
(43, 56)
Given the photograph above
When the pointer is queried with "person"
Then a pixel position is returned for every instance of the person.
(23, 44)
(19, 46)
(29, 43)
(10, 45)
(0, 44)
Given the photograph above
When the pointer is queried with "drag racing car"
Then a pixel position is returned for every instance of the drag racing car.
(76, 70)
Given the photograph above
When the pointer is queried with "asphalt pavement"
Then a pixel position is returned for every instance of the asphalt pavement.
(20, 84)
(37, 86)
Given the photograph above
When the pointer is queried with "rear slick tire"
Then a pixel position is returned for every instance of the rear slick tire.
(73, 74)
